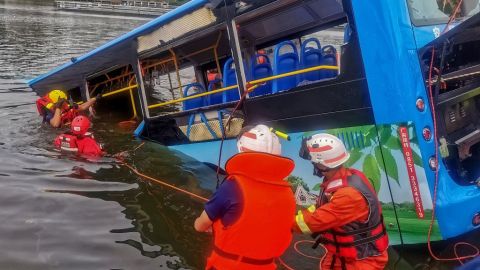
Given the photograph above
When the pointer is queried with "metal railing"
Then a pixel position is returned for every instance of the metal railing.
(115, 5)
(254, 82)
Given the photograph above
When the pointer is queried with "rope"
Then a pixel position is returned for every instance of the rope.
(435, 186)
(158, 181)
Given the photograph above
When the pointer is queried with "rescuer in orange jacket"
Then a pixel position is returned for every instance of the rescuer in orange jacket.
(57, 111)
(347, 218)
(78, 140)
(251, 212)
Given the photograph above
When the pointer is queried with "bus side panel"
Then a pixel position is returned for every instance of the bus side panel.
(400, 159)
(361, 141)
(395, 82)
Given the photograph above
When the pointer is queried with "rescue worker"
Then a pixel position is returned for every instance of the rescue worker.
(78, 140)
(57, 110)
(347, 217)
(252, 210)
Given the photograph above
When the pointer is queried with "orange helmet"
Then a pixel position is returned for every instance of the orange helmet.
(80, 125)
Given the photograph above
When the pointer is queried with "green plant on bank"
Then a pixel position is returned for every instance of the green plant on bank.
(382, 141)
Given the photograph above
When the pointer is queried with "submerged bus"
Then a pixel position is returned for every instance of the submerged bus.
(378, 74)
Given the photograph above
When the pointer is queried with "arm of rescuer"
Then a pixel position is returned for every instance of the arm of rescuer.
(203, 223)
(346, 205)
(56, 120)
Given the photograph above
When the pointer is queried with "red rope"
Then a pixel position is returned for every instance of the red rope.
(163, 183)
(435, 186)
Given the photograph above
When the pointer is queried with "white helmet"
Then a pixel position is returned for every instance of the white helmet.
(259, 139)
(325, 149)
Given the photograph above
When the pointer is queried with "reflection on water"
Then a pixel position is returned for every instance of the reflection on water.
(61, 212)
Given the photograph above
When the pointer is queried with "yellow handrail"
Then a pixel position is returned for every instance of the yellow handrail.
(254, 82)
(120, 90)
(133, 104)
(192, 97)
(292, 73)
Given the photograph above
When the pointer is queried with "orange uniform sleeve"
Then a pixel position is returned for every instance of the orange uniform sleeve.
(346, 205)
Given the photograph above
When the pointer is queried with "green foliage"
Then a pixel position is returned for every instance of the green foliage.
(388, 163)
(393, 143)
(316, 187)
(417, 160)
(372, 171)
(295, 181)
(355, 155)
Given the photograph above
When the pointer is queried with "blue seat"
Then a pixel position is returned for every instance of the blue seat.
(196, 102)
(259, 71)
(214, 98)
(311, 57)
(329, 59)
(229, 79)
(284, 63)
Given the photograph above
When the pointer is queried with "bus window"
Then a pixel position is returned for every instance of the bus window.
(162, 84)
(429, 12)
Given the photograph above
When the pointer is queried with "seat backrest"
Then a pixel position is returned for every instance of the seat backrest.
(284, 63)
(214, 98)
(229, 79)
(190, 90)
(311, 56)
(261, 68)
(329, 59)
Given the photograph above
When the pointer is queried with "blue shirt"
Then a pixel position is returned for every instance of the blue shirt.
(226, 203)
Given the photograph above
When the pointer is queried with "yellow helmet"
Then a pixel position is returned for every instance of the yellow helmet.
(55, 95)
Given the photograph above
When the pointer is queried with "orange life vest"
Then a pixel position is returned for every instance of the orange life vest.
(263, 230)
(356, 239)
(45, 104)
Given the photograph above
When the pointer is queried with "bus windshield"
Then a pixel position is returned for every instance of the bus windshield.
(429, 12)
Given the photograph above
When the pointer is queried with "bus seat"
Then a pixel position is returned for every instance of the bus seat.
(229, 79)
(329, 59)
(214, 98)
(190, 90)
(284, 63)
(259, 71)
(311, 57)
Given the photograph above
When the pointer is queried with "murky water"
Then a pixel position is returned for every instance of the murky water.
(59, 212)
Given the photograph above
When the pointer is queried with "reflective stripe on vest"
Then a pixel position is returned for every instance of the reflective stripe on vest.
(358, 239)
(263, 230)
(68, 142)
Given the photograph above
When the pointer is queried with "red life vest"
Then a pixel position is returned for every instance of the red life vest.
(67, 142)
(357, 239)
(45, 104)
(263, 231)
(85, 145)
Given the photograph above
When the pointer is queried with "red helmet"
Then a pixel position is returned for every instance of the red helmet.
(80, 125)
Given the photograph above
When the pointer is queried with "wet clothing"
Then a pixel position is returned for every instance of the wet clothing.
(263, 230)
(46, 109)
(226, 203)
(349, 221)
(82, 145)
